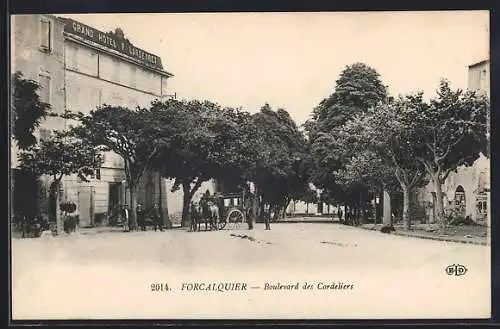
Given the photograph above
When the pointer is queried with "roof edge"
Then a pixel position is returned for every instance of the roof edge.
(479, 63)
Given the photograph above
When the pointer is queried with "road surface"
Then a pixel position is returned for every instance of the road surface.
(112, 274)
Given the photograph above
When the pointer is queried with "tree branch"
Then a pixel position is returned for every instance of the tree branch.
(426, 165)
(448, 149)
(146, 164)
(196, 186)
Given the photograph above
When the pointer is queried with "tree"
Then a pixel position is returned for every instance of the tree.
(448, 132)
(132, 134)
(59, 156)
(358, 88)
(384, 133)
(281, 168)
(204, 141)
(27, 110)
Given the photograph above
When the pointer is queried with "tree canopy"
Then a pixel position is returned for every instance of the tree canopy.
(204, 141)
(358, 89)
(132, 134)
(282, 167)
(448, 132)
(59, 156)
(27, 110)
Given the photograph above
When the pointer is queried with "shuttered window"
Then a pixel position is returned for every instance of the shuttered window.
(45, 35)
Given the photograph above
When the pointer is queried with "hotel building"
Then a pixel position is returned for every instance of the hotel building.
(78, 69)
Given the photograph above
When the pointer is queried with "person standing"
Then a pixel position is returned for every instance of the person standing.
(249, 212)
(157, 218)
(126, 218)
(141, 220)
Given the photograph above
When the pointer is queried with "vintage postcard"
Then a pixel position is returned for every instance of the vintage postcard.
(328, 165)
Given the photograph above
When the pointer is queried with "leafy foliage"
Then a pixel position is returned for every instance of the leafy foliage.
(27, 110)
(358, 89)
(203, 141)
(282, 167)
(59, 156)
(128, 133)
(383, 134)
(132, 134)
(448, 132)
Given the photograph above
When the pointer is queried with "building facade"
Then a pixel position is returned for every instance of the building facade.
(105, 68)
(467, 191)
(80, 68)
(37, 51)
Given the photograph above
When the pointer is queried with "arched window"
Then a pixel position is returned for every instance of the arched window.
(460, 200)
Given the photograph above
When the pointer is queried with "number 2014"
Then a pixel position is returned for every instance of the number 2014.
(159, 287)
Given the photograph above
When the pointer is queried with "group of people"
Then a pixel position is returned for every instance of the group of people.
(142, 217)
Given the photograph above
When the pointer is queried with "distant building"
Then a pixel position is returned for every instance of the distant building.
(468, 190)
(479, 77)
(79, 68)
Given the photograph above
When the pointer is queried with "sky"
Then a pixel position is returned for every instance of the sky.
(292, 60)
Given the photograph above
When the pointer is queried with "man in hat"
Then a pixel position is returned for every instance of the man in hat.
(126, 218)
(157, 218)
(141, 220)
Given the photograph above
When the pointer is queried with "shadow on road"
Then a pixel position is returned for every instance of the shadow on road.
(249, 238)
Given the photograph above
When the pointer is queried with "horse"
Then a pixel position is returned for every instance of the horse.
(196, 216)
(214, 214)
(206, 212)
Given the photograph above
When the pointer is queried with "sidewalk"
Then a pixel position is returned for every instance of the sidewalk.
(418, 231)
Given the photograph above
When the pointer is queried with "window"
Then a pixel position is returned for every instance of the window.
(45, 35)
(44, 91)
(71, 56)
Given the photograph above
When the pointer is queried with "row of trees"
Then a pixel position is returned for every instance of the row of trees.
(188, 141)
(358, 142)
(363, 141)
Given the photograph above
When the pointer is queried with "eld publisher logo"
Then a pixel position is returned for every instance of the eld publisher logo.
(456, 269)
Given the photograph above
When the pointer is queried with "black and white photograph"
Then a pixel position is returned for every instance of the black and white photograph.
(250, 165)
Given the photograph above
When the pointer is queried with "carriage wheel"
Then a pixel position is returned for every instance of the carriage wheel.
(221, 225)
(235, 217)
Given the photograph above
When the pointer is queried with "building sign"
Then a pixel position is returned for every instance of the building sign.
(112, 41)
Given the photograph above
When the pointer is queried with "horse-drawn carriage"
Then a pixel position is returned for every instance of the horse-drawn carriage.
(219, 211)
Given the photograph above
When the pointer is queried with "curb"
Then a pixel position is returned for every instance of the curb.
(435, 238)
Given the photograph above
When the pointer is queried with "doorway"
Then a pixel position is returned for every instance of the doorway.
(460, 201)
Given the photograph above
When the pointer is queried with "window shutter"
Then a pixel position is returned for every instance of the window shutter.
(45, 34)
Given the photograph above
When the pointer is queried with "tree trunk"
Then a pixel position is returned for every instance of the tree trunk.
(307, 208)
(406, 207)
(54, 195)
(276, 212)
(261, 211)
(439, 203)
(163, 218)
(387, 219)
(186, 199)
(255, 206)
(133, 210)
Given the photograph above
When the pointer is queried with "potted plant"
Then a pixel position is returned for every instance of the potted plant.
(70, 221)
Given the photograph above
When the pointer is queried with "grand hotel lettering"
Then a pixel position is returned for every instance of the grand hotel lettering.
(112, 42)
